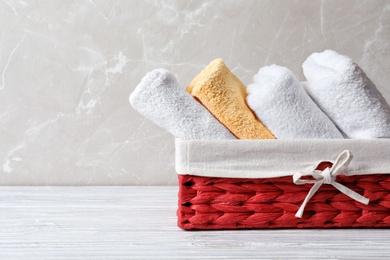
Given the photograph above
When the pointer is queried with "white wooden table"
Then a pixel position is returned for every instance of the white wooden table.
(140, 223)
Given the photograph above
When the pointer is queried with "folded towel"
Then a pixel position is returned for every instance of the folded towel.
(349, 98)
(160, 98)
(279, 99)
(224, 95)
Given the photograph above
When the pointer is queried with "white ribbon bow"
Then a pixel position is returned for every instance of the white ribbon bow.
(328, 176)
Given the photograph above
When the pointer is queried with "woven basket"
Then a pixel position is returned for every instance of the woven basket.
(242, 203)
(233, 203)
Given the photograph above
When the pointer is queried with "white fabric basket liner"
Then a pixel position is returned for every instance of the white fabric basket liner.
(277, 158)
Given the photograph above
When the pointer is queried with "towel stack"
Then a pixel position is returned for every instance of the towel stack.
(338, 100)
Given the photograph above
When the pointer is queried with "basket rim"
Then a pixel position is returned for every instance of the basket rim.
(277, 158)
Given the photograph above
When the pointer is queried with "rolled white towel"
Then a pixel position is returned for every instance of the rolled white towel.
(281, 103)
(344, 92)
(161, 99)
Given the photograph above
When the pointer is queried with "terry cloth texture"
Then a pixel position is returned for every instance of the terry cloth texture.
(344, 92)
(276, 158)
(279, 99)
(224, 96)
(161, 99)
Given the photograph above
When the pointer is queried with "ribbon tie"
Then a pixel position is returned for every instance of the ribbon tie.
(328, 176)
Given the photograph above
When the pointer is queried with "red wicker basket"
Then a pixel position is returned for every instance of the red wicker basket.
(272, 202)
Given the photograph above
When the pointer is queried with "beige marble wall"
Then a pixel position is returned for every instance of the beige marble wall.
(68, 67)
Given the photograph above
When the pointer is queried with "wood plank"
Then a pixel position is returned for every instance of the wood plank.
(140, 223)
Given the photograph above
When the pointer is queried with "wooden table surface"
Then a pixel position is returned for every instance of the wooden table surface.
(140, 223)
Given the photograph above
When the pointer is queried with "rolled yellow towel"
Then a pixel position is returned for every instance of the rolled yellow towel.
(224, 95)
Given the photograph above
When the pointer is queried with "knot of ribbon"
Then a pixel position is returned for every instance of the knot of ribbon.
(327, 176)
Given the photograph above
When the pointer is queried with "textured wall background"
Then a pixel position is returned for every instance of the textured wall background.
(68, 67)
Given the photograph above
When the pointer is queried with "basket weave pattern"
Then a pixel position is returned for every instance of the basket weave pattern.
(238, 203)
